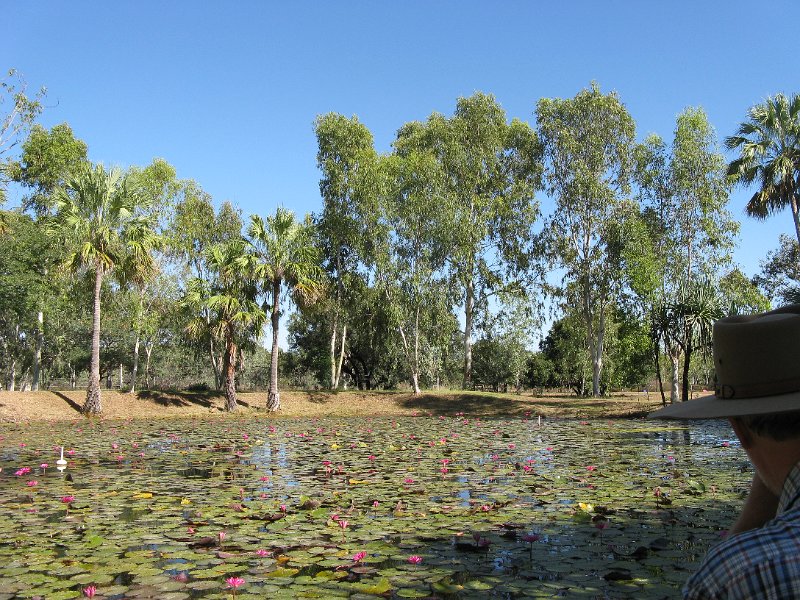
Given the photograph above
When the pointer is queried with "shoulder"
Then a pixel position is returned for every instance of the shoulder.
(752, 563)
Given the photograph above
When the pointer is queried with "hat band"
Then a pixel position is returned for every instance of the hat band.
(755, 390)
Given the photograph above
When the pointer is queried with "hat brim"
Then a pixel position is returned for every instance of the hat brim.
(711, 407)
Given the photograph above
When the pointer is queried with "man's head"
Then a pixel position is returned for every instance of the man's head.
(757, 364)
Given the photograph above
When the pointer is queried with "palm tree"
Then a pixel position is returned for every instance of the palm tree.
(692, 315)
(230, 301)
(284, 255)
(769, 152)
(95, 214)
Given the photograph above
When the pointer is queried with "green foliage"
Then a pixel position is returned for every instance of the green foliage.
(588, 145)
(48, 159)
(780, 272)
(17, 115)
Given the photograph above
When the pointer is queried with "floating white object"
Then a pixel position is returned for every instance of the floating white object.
(61, 464)
(540, 424)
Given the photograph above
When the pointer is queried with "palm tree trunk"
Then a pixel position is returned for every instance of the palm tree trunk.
(229, 371)
(796, 217)
(92, 405)
(274, 397)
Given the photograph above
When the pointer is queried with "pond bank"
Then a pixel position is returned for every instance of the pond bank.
(65, 405)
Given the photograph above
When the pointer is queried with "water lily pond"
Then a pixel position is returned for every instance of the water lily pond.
(427, 506)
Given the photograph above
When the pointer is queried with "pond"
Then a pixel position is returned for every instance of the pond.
(426, 506)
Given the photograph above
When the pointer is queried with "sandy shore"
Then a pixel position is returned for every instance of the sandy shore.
(59, 406)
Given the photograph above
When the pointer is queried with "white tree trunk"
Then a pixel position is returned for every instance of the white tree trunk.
(675, 387)
(341, 357)
(37, 359)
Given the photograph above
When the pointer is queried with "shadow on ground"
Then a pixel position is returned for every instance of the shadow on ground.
(74, 405)
(473, 404)
(179, 399)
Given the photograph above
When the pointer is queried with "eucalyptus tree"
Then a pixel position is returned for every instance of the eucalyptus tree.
(769, 154)
(48, 159)
(410, 250)
(97, 214)
(194, 229)
(228, 302)
(158, 185)
(683, 191)
(490, 170)
(588, 143)
(346, 158)
(286, 264)
(17, 115)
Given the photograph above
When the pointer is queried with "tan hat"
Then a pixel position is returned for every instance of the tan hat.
(757, 361)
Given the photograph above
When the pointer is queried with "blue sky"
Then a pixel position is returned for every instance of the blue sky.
(227, 92)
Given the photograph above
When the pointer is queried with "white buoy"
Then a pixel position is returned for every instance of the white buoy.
(61, 464)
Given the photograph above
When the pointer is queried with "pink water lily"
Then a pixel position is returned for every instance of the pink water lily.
(22, 471)
(89, 591)
(32, 483)
(359, 556)
(262, 553)
(414, 559)
(68, 499)
(234, 583)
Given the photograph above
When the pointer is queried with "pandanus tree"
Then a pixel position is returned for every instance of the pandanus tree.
(287, 264)
(229, 302)
(101, 220)
(690, 319)
(769, 154)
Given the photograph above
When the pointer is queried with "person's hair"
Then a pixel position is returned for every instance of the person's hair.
(778, 426)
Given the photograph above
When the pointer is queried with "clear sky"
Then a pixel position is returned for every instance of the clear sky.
(227, 91)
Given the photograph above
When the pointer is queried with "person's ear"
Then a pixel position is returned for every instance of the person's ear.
(742, 432)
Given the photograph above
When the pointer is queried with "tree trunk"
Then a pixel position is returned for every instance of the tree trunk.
(674, 392)
(658, 374)
(148, 350)
(135, 369)
(92, 405)
(334, 382)
(415, 383)
(341, 356)
(229, 371)
(12, 375)
(274, 397)
(597, 354)
(37, 359)
(469, 305)
(796, 217)
(687, 358)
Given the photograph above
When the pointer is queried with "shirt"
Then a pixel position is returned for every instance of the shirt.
(762, 563)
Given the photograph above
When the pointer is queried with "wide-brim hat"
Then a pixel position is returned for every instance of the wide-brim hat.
(757, 364)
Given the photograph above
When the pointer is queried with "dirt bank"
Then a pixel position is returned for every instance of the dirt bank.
(43, 406)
